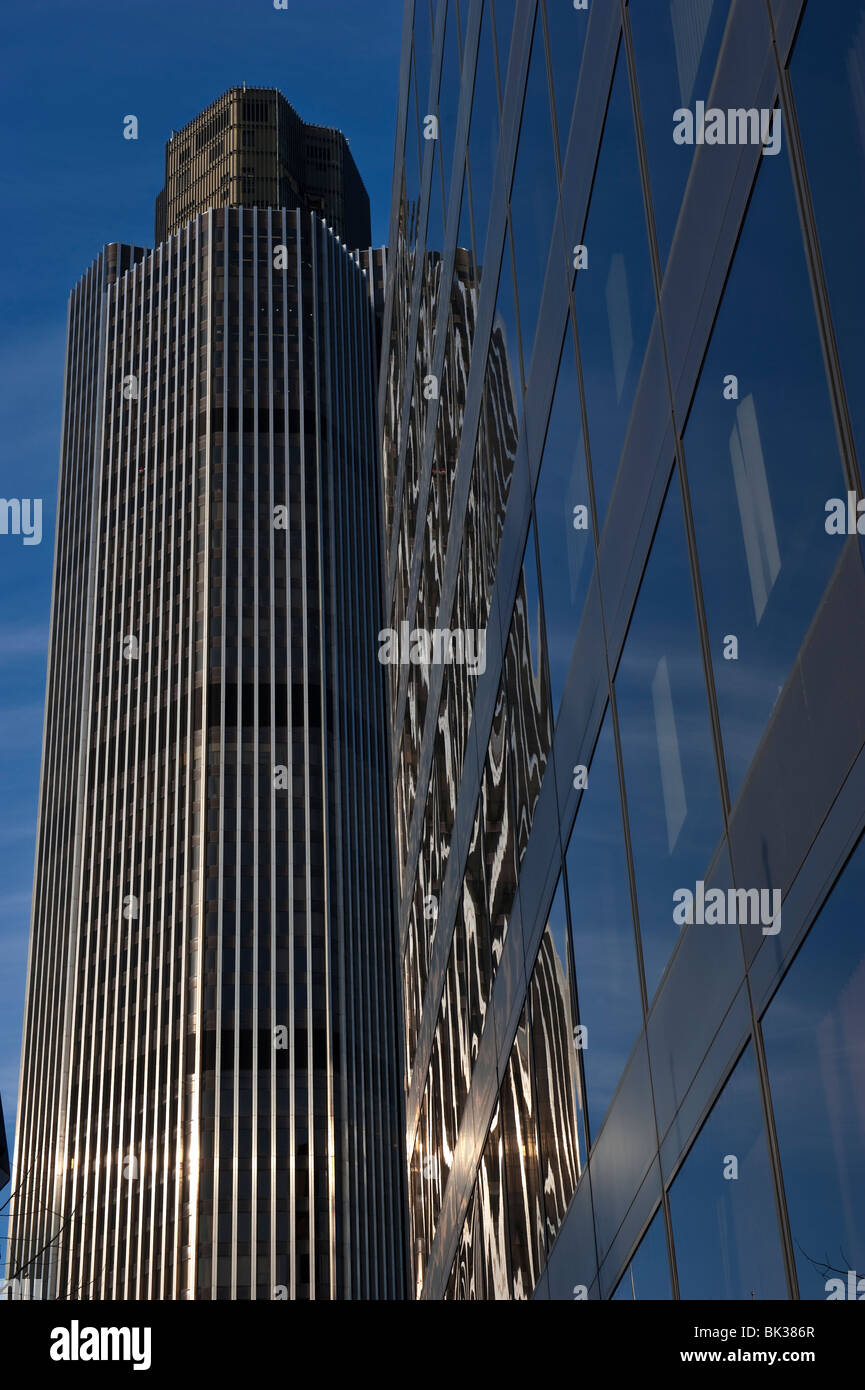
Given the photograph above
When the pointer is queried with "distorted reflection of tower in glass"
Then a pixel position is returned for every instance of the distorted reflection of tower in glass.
(611, 421)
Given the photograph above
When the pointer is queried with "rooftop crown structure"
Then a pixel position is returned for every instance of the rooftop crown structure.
(250, 148)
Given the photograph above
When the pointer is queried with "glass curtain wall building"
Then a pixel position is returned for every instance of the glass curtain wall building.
(622, 387)
(209, 1095)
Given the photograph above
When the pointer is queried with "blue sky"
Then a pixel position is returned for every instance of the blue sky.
(72, 183)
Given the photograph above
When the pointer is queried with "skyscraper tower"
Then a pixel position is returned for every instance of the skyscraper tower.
(209, 1103)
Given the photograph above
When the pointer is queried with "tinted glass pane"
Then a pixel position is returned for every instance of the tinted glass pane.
(434, 234)
(725, 1230)
(814, 1033)
(530, 722)
(648, 1274)
(449, 95)
(493, 1225)
(676, 46)
(504, 16)
(504, 340)
(483, 134)
(566, 31)
(519, 1122)
(423, 31)
(411, 191)
(557, 1076)
(670, 774)
(565, 540)
(477, 937)
(614, 295)
(761, 467)
(468, 1274)
(534, 194)
(499, 848)
(828, 74)
(605, 956)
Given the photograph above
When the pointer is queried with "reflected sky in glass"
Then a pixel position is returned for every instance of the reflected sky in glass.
(566, 32)
(760, 469)
(614, 295)
(483, 134)
(725, 1230)
(828, 77)
(534, 194)
(674, 805)
(814, 1035)
(648, 1274)
(565, 538)
(605, 955)
(676, 46)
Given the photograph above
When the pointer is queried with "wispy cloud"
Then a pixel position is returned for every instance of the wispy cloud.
(17, 642)
(21, 727)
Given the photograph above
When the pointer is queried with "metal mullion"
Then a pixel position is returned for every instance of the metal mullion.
(87, 1224)
(149, 1165)
(340, 605)
(198, 801)
(310, 1097)
(377, 853)
(357, 838)
(286, 483)
(322, 258)
(175, 1105)
(273, 742)
(111, 1161)
(388, 1005)
(161, 804)
(131, 1272)
(292, 1057)
(185, 701)
(95, 305)
(256, 765)
(356, 856)
(217, 1072)
(121, 294)
(114, 1161)
(161, 362)
(242, 238)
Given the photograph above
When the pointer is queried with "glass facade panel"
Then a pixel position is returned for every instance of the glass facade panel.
(725, 1230)
(449, 94)
(691, 601)
(605, 955)
(564, 516)
(534, 194)
(499, 840)
(762, 459)
(495, 1253)
(614, 295)
(828, 77)
(529, 717)
(483, 133)
(519, 1122)
(648, 1274)
(566, 32)
(558, 1084)
(814, 1035)
(504, 19)
(505, 360)
(676, 48)
(674, 805)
